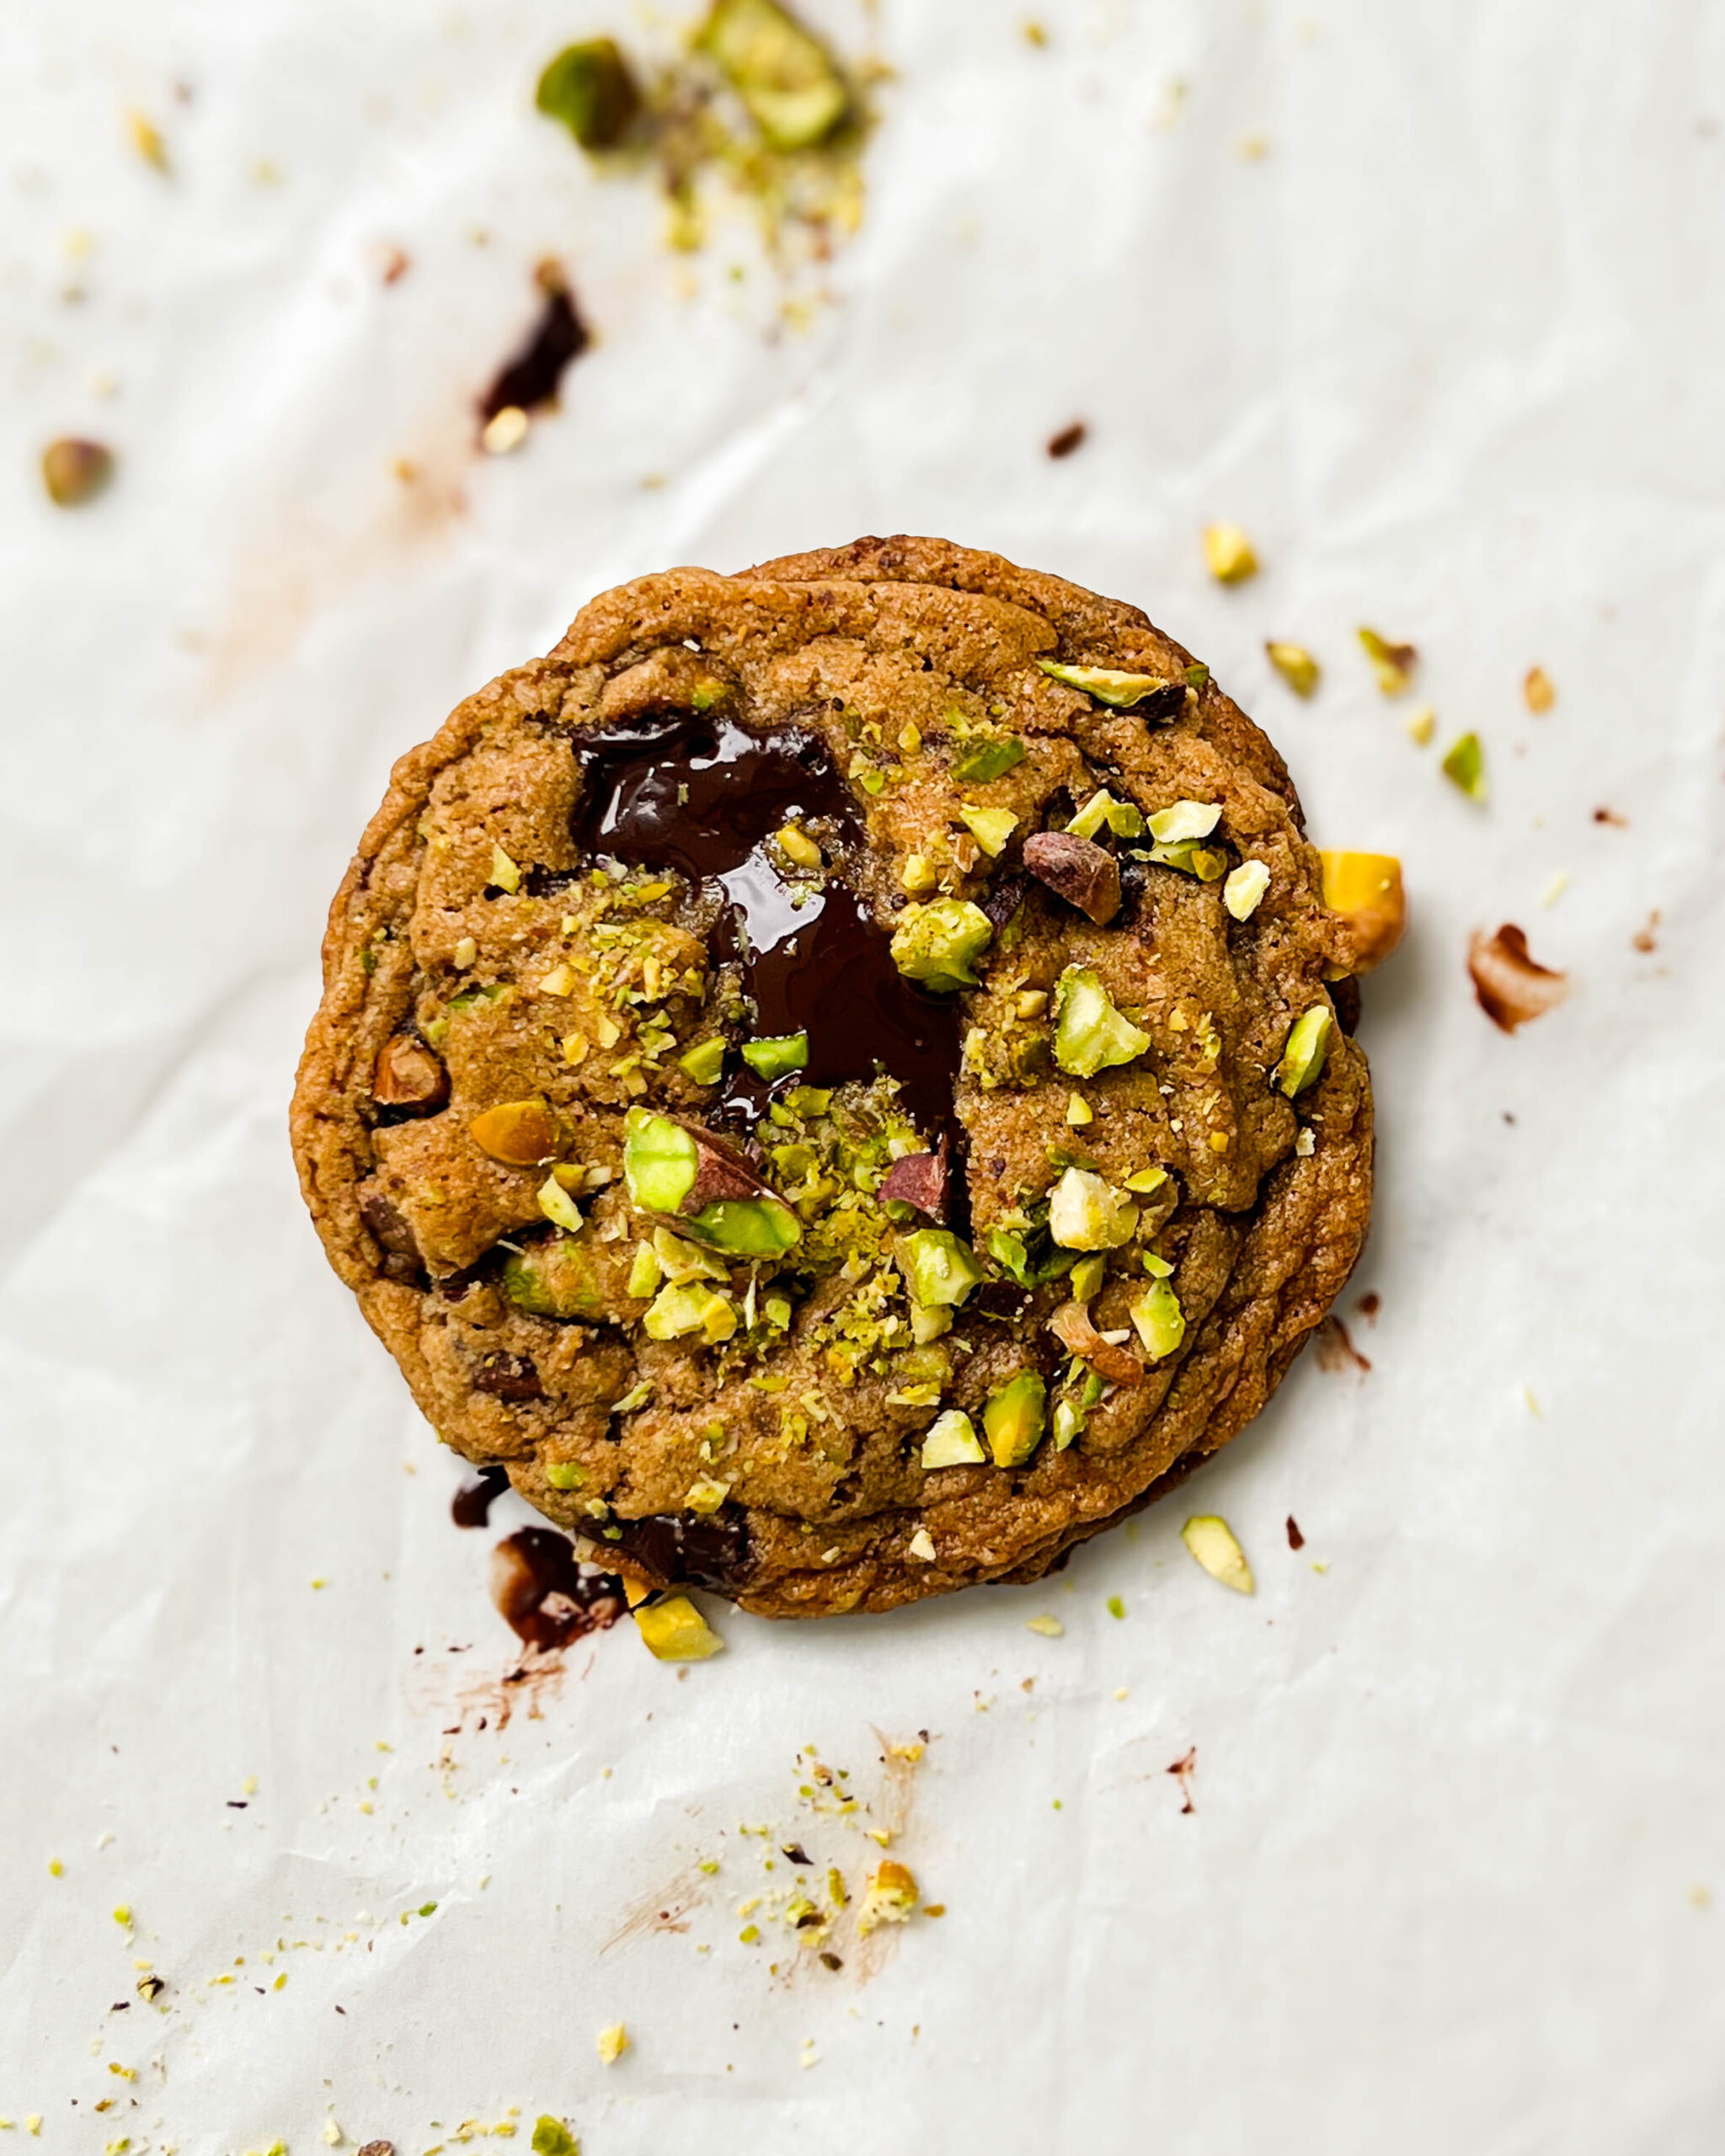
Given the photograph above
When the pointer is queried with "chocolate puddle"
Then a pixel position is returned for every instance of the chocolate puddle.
(700, 796)
(471, 1505)
(545, 1593)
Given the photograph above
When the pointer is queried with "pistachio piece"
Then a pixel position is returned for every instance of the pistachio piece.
(674, 1631)
(1072, 1326)
(1308, 1043)
(1088, 1276)
(704, 1495)
(677, 1311)
(890, 1898)
(505, 875)
(1184, 820)
(660, 1162)
(990, 756)
(1227, 553)
(1090, 1033)
(705, 1062)
(565, 1474)
(1123, 818)
(74, 471)
(747, 1227)
(1158, 1320)
(1465, 766)
(939, 1270)
(589, 86)
(1392, 663)
(408, 1074)
(777, 1054)
(557, 1278)
(1069, 1419)
(1078, 870)
(919, 875)
(992, 827)
(519, 1134)
(919, 1179)
(1147, 1181)
(1211, 1540)
(1192, 857)
(559, 1206)
(1243, 887)
(1014, 1419)
(1122, 691)
(646, 1274)
(1540, 691)
(1295, 663)
(952, 1441)
(939, 944)
(794, 94)
(799, 848)
(551, 2138)
(1085, 1212)
(1365, 888)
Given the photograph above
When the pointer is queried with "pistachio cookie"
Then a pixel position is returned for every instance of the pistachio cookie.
(832, 1076)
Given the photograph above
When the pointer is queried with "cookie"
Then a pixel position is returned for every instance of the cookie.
(832, 1075)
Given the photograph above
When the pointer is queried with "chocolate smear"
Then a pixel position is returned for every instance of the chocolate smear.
(532, 377)
(546, 1594)
(471, 1505)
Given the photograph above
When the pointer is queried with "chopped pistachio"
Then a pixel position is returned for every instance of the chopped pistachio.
(504, 430)
(1244, 887)
(1156, 1265)
(1079, 1111)
(890, 1898)
(747, 1227)
(465, 956)
(551, 2138)
(705, 1062)
(674, 1631)
(1211, 1540)
(1030, 1002)
(799, 848)
(939, 1270)
(939, 943)
(1227, 553)
(519, 1134)
(921, 1546)
(1123, 818)
(1392, 663)
(989, 756)
(1087, 1278)
(992, 827)
(1076, 869)
(645, 1273)
(1068, 1422)
(1108, 685)
(919, 875)
(777, 1054)
(1539, 689)
(1158, 1320)
(1208, 863)
(557, 1278)
(564, 1475)
(685, 1260)
(909, 737)
(613, 2043)
(1303, 1057)
(1465, 766)
(1014, 1419)
(1295, 663)
(1421, 725)
(784, 75)
(704, 1495)
(679, 1311)
(589, 86)
(559, 1206)
(660, 1161)
(951, 1442)
(1085, 1212)
(1144, 1180)
(1091, 1034)
(505, 874)
(1185, 819)
(1366, 889)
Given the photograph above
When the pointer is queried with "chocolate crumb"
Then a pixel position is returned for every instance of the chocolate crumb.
(1182, 1770)
(1610, 816)
(1296, 1540)
(1068, 439)
(531, 378)
(1370, 1305)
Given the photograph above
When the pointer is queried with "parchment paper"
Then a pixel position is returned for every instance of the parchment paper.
(1428, 298)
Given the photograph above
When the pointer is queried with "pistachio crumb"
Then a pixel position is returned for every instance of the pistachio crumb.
(1228, 554)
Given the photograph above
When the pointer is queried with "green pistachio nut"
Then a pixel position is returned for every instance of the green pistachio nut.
(1090, 1034)
(746, 1227)
(1085, 1212)
(1119, 691)
(1208, 863)
(705, 1062)
(557, 1278)
(939, 944)
(1068, 1421)
(564, 1475)
(991, 827)
(990, 757)
(1123, 818)
(692, 1308)
(777, 1054)
(1308, 1043)
(1465, 766)
(660, 1161)
(646, 1274)
(951, 1442)
(1008, 1253)
(1014, 1419)
(1185, 819)
(939, 1270)
(1158, 1320)
(589, 88)
(794, 94)
(1089, 1274)
(1147, 1181)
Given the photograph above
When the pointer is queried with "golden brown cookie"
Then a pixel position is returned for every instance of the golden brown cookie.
(830, 1076)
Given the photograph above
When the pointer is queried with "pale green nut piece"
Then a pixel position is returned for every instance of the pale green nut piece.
(1214, 1544)
(1308, 1043)
(1123, 818)
(1085, 1212)
(1245, 886)
(1208, 863)
(646, 1274)
(951, 1442)
(1119, 691)
(705, 1062)
(1185, 819)
(1068, 1421)
(692, 1308)
(1465, 766)
(992, 827)
(589, 88)
(746, 1227)
(551, 2138)
(1090, 1033)
(794, 94)
(554, 1279)
(990, 757)
(660, 1161)
(564, 1475)
(1158, 1320)
(559, 1207)
(1014, 1419)
(1088, 1276)
(939, 944)
(1147, 1181)
(777, 1054)
(939, 1270)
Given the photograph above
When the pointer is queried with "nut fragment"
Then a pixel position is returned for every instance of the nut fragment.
(1184, 820)
(1308, 1043)
(407, 1075)
(991, 827)
(1152, 696)
(74, 471)
(890, 1897)
(920, 1179)
(1227, 553)
(1540, 690)
(519, 1134)
(939, 944)
(1091, 1034)
(795, 95)
(1085, 1212)
(589, 86)
(1084, 874)
(1512, 987)
(1364, 890)
(1159, 1321)
(1071, 1326)
(1465, 766)
(1244, 887)
(612, 2042)
(1392, 663)
(674, 1631)
(951, 1441)
(1211, 1541)
(1295, 663)
(1014, 1419)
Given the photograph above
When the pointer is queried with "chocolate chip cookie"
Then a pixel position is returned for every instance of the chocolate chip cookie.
(832, 1075)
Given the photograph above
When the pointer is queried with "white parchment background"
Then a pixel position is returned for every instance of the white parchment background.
(1449, 349)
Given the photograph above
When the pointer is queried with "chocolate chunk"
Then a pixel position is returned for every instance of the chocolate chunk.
(683, 1551)
(1004, 899)
(1078, 870)
(401, 1259)
(1344, 994)
(509, 1377)
(531, 377)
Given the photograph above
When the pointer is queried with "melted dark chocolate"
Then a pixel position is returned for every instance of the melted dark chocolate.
(700, 796)
(531, 377)
(546, 1594)
(471, 1505)
(684, 1551)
